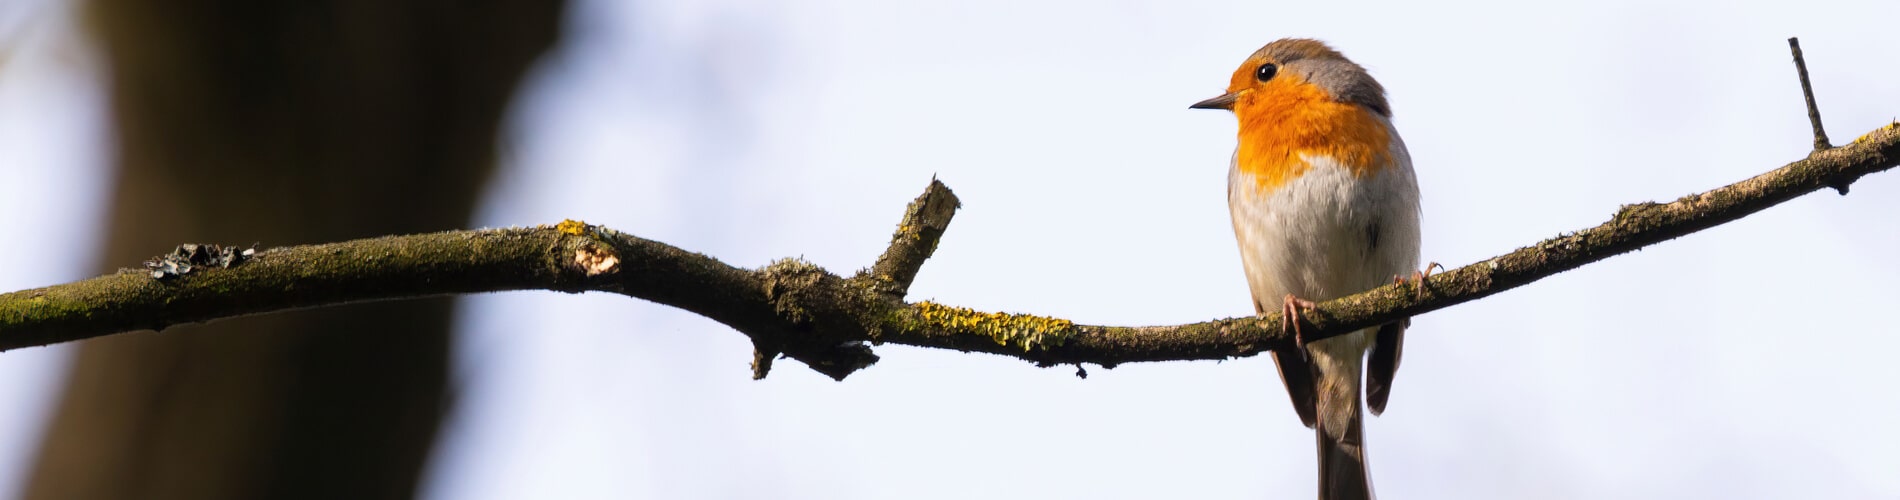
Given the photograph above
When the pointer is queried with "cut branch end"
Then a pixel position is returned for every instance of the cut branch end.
(915, 239)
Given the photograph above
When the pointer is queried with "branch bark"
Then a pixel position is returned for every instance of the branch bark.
(794, 308)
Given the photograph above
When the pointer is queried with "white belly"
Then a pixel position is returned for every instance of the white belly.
(1326, 235)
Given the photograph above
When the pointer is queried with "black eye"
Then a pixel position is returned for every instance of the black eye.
(1266, 71)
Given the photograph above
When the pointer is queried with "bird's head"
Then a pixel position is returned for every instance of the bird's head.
(1292, 71)
(1298, 99)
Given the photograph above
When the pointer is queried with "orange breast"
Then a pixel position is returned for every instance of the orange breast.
(1287, 118)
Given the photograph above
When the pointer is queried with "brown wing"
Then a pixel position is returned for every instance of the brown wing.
(1297, 374)
(1383, 363)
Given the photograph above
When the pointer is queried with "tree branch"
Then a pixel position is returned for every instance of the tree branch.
(800, 310)
(796, 309)
(1807, 95)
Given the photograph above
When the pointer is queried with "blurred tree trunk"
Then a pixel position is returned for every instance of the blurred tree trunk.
(243, 122)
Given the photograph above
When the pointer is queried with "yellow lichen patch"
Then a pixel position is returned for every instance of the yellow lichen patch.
(1024, 331)
(572, 227)
(1870, 135)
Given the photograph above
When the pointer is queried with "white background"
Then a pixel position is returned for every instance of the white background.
(1752, 360)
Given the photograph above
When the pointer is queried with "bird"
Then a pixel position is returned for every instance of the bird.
(1324, 204)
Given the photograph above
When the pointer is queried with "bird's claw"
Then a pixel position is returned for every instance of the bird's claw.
(1290, 319)
(1418, 278)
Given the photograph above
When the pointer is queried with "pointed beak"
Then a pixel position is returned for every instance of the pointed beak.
(1223, 101)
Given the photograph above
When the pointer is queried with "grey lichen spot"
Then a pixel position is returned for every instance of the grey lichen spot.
(187, 257)
(785, 281)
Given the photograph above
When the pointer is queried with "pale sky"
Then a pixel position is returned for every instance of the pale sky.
(1753, 360)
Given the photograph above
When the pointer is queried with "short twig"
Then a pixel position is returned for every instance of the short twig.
(1807, 93)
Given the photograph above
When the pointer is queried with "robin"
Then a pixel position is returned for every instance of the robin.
(1324, 205)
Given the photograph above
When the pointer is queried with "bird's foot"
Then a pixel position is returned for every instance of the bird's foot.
(1418, 279)
(1290, 319)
